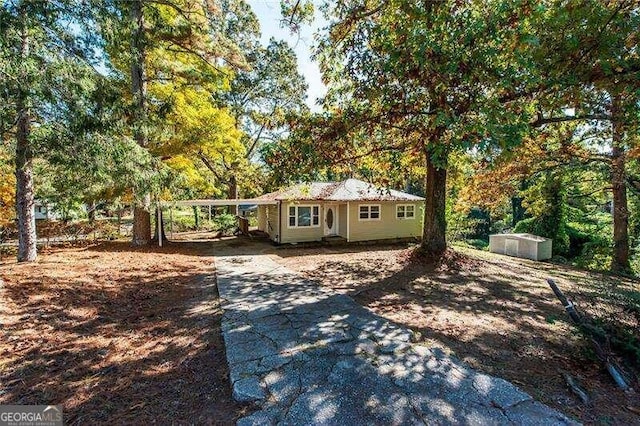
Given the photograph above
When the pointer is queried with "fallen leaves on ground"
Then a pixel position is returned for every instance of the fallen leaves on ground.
(116, 335)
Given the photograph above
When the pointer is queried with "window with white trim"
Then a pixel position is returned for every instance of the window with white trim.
(405, 211)
(369, 212)
(304, 216)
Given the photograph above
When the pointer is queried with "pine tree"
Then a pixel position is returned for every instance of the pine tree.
(43, 58)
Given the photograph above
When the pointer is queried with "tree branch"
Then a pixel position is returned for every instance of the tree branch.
(185, 49)
(210, 166)
(255, 142)
(293, 12)
(540, 121)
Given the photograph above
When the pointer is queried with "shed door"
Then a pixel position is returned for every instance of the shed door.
(511, 247)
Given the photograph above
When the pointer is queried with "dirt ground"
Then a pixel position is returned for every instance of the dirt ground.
(495, 313)
(122, 335)
(116, 335)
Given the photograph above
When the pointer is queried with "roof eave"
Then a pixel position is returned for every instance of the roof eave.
(344, 200)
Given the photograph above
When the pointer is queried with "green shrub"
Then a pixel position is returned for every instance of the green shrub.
(470, 244)
(478, 243)
(577, 240)
(225, 223)
(595, 254)
(481, 220)
(546, 202)
(183, 222)
(499, 226)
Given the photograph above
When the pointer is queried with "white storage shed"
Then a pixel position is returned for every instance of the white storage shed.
(527, 246)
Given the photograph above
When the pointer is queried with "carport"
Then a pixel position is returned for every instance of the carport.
(203, 203)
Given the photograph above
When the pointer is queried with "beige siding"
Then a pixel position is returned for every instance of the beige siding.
(273, 224)
(262, 218)
(342, 220)
(388, 226)
(302, 234)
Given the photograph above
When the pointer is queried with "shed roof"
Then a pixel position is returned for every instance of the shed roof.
(347, 190)
(530, 237)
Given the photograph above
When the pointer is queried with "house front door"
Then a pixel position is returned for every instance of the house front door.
(330, 220)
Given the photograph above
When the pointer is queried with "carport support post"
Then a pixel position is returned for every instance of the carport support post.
(348, 220)
(159, 224)
(171, 220)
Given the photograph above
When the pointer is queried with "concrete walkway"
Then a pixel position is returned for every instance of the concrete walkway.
(307, 355)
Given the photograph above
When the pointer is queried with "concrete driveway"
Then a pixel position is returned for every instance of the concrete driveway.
(306, 355)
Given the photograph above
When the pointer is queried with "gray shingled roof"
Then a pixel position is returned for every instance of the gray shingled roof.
(348, 190)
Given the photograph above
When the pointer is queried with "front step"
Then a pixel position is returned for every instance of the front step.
(334, 240)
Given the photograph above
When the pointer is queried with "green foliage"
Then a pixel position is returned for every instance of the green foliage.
(262, 99)
(458, 83)
(398, 90)
(436, 78)
(546, 226)
(186, 58)
(465, 227)
(595, 254)
(56, 76)
(546, 203)
(591, 241)
(182, 222)
(225, 223)
(296, 13)
(185, 220)
(477, 244)
(500, 226)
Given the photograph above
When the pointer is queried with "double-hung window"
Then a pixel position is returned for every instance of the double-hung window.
(369, 212)
(405, 211)
(304, 216)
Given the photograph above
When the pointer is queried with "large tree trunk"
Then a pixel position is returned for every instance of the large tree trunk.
(620, 260)
(517, 211)
(232, 193)
(434, 241)
(92, 212)
(27, 240)
(142, 223)
(141, 212)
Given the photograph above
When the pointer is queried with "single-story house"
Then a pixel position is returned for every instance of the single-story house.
(352, 210)
(45, 211)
